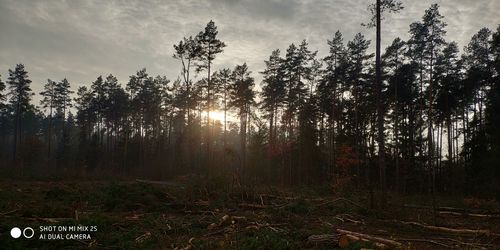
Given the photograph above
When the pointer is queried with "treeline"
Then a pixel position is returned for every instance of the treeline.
(315, 119)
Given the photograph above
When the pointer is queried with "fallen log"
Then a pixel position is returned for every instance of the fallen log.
(428, 241)
(344, 238)
(371, 238)
(270, 196)
(467, 244)
(349, 218)
(447, 229)
(324, 239)
(143, 237)
(469, 214)
(453, 209)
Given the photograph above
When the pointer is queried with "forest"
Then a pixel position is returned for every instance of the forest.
(416, 119)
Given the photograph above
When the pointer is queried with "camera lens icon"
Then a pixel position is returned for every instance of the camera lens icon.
(15, 232)
(27, 232)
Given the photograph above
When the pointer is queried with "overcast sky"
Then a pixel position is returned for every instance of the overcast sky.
(81, 40)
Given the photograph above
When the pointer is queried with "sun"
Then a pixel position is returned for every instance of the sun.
(217, 115)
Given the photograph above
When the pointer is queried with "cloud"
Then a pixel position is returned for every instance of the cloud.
(83, 39)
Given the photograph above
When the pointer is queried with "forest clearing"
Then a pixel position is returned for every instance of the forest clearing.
(186, 215)
(263, 124)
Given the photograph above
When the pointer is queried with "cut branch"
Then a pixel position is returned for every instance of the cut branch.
(428, 241)
(371, 238)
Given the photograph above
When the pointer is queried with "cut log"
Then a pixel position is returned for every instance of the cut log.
(275, 197)
(344, 238)
(347, 217)
(428, 241)
(449, 230)
(324, 239)
(453, 209)
(469, 214)
(388, 242)
(467, 244)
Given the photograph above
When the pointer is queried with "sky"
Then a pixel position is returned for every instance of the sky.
(82, 39)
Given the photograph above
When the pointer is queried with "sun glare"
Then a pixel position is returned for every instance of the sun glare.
(217, 115)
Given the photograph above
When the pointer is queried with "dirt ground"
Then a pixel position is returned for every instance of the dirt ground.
(138, 214)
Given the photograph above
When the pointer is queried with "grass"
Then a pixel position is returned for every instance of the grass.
(131, 215)
(265, 239)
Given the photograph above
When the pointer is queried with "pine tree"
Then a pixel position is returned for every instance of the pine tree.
(391, 63)
(405, 107)
(63, 103)
(477, 59)
(221, 81)
(63, 90)
(2, 88)
(358, 79)
(116, 110)
(434, 32)
(298, 70)
(480, 59)
(98, 105)
(49, 101)
(188, 51)
(379, 7)
(20, 96)
(330, 93)
(273, 92)
(86, 118)
(492, 117)
(242, 98)
(416, 49)
(448, 76)
(3, 113)
(292, 87)
(210, 46)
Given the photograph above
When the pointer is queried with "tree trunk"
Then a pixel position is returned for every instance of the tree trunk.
(225, 124)
(50, 133)
(17, 129)
(271, 132)
(332, 136)
(380, 113)
(243, 134)
(430, 137)
(209, 131)
(396, 131)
